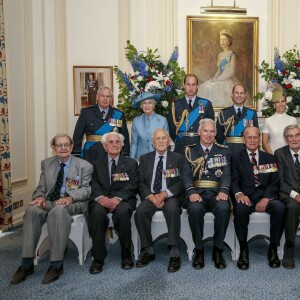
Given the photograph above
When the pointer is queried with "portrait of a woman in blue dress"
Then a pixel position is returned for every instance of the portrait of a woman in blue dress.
(144, 125)
(218, 89)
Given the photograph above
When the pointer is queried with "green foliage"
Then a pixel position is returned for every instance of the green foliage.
(286, 72)
(149, 74)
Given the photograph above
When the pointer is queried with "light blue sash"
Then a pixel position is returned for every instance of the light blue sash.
(240, 127)
(192, 117)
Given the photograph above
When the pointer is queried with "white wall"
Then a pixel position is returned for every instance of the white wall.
(46, 38)
(92, 39)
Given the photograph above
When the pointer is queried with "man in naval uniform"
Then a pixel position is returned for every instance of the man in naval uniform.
(94, 122)
(185, 114)
(233, 120)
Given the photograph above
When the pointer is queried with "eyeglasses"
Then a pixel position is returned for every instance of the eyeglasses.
(60, 146)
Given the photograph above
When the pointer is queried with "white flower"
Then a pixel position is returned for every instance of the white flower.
(268, 95)
(279, 73)
(292, 75)
(152, 85)
(286, 81)
(139, 78)
(296, 83)
(170, 73)
(289, 99)
(137, 73)
(159, 76)
(135, 85)
(164, 104)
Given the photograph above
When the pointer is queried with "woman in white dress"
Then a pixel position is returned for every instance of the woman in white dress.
(272, 132)
(218, 89)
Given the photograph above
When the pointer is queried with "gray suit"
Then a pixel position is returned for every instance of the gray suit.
(58, 217)
(288, 182)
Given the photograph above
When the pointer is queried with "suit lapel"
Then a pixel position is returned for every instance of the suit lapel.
(290, 161)
(150, 167)
(245, 161)
(53, 172)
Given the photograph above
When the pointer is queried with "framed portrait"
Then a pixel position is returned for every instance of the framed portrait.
(87, 80)
(223, 52)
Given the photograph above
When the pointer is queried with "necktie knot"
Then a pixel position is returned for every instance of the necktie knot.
(161, 158)
(206, 151)
(253, 154)
(296, 155)
(62, 165)
(190, 104)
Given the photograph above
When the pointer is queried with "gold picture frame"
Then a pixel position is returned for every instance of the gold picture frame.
(86, 81)
(219, 66)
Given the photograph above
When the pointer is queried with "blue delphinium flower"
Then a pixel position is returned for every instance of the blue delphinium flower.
(277, 61)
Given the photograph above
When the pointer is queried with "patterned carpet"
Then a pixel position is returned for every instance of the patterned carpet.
(153, 281)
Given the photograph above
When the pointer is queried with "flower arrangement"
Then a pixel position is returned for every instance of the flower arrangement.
(150, 74)
(286, 72)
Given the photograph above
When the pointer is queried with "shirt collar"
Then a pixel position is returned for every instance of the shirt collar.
(236, 107)
(158, 155)
(67, 163)
(193, 99)
(204, 147)
(116, 159)
(256, 152)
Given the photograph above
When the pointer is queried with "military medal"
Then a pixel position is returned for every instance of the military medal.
(218, 173)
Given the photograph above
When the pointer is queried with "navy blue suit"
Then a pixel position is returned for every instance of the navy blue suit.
(180, 105)
(243, 181)
(224, 115)
(89, 121)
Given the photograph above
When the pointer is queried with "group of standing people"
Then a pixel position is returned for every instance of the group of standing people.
(201, 175)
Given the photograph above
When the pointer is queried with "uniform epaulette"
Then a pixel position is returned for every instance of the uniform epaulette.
(192, 145)
(226, 108)
(221, 146)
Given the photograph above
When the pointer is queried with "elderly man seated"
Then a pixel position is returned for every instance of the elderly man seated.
(114, 189)
(160, 188)
(62, 192)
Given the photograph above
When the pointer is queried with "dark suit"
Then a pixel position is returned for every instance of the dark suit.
(288, 182)
(224, 115)
(88, 123)
(182, 139)
(217, 169)
(243, 181)
(126, 190)
(172, 206)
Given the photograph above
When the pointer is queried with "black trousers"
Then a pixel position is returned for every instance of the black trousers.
(275, 209)
(98, 222)
(196, 212)
(292, 220)
(143, 219)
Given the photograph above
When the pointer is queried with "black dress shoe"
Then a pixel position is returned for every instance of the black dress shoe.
(274, 261)
(21, 274)
(52, 274)
(174, 264)
(288, 261)
(145, 260)
(243, 261)
(198, 260)
(127, 262)
(218, 259)
(96, 266)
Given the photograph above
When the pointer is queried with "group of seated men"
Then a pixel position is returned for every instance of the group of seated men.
(207, 178)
